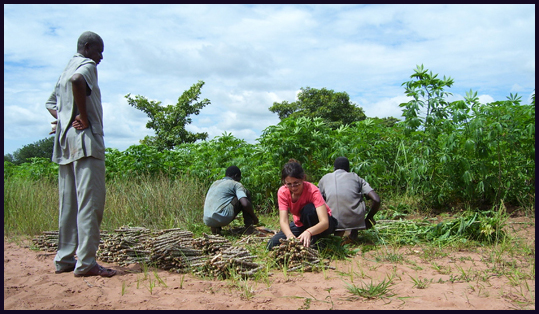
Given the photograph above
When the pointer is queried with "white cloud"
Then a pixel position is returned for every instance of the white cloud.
(486, 99)
(250, 56)
(387, 107)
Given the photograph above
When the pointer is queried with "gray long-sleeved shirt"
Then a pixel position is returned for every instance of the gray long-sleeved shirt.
(71, 144)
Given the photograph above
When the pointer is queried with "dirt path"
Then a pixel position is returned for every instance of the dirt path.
(457, 281)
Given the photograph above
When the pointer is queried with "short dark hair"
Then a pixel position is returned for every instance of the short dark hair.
(342, 163)
(88, 37)
(232, 171)
(293, 169)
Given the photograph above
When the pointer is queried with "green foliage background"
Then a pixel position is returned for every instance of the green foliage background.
(460, 153)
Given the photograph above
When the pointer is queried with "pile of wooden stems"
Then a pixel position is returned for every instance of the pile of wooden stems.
(169, 249)
(293, 255)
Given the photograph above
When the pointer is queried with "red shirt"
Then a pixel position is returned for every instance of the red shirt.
(310, 194)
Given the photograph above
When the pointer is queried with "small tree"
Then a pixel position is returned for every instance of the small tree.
(428, 93)
(169, 122)
(335, 108)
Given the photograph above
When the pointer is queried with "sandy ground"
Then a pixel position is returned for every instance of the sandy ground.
(31, 284)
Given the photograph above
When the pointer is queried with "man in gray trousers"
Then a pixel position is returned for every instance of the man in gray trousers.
(79, 149)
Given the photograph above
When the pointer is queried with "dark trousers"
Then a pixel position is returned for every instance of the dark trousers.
(308, 218)
(247, 219)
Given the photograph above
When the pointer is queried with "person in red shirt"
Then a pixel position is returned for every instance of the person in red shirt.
(312, 218)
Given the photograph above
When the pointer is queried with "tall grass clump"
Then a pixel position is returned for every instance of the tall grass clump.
(30, 206)
(155, 202)
(151, 201)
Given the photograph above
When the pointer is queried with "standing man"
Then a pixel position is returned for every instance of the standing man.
(344, 192)
(225, 199)
(79, 149)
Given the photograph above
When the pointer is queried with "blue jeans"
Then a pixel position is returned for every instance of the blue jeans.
(308, 218)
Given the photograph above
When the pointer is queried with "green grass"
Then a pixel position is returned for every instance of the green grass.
(421, 283)
(372, 290)
(30, 207)
(124, 288)
(150, 283)
(157, 202)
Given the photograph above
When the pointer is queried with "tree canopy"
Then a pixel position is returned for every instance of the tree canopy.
(169, 122)
(42, 148)
(335, 108)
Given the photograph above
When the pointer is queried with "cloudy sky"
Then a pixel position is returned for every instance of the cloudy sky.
(250, 56)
